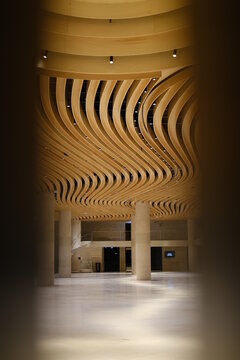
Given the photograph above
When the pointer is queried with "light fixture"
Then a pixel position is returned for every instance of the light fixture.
(111, 60)
(68, 106)
(174, 54)
(154, 79)
(154, 104)
(45, 54)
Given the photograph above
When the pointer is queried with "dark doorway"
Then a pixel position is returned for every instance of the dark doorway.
(127, 231)
(111, 259)
(128, 258)
(156, 258)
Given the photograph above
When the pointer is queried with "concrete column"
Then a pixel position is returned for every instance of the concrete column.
(133, 250)
(192, 250)
(142, 239)
(45, 239)
(65, 246)
(76, 234)
(122, 253)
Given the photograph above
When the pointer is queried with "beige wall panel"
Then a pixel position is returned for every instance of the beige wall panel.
(94, 254)
(178, 263)
(102, 231)
(169, 230)
(122, 254)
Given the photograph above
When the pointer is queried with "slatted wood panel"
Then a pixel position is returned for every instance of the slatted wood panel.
(106, 144)
(111, 135)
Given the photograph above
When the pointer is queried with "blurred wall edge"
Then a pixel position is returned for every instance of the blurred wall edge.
(17, 174)
(217, 53)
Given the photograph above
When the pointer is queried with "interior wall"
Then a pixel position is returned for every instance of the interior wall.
(166, 230)
(56, 235)
(103, 230)
(178, 263)
(169, 230)
(87, 254)
(114, 230)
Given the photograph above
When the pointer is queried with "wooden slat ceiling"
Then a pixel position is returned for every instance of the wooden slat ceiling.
(110, 135)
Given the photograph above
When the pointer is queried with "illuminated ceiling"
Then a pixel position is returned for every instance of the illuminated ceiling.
(113, 134)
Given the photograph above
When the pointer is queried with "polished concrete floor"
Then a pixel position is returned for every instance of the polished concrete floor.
(103, 316)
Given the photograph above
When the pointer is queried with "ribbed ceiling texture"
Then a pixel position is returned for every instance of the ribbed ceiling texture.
(113, 134)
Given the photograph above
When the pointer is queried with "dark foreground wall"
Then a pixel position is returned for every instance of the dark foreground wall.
(217, 42)
(17, 139)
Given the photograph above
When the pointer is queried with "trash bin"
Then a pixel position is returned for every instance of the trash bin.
(98, 267)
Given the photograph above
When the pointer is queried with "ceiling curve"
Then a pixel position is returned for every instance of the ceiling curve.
(113, 134)
(80, 37)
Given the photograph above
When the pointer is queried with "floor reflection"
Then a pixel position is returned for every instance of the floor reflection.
(113, 316)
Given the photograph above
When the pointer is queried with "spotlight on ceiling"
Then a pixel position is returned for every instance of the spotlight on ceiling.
(154, 79)
(45, 54)
(174, 54)
(111, 60)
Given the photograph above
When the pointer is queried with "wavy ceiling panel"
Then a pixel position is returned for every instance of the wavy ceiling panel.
(105, 144)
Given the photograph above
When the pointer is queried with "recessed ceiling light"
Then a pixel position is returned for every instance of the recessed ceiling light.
(174, 54)
(154, 79)
(111, 60)
(45, 54)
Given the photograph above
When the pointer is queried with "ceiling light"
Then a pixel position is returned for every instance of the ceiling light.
(68, 106)
(154, 79)
(45, 54)
(174, 54)
(111, 60)
(154, 104)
